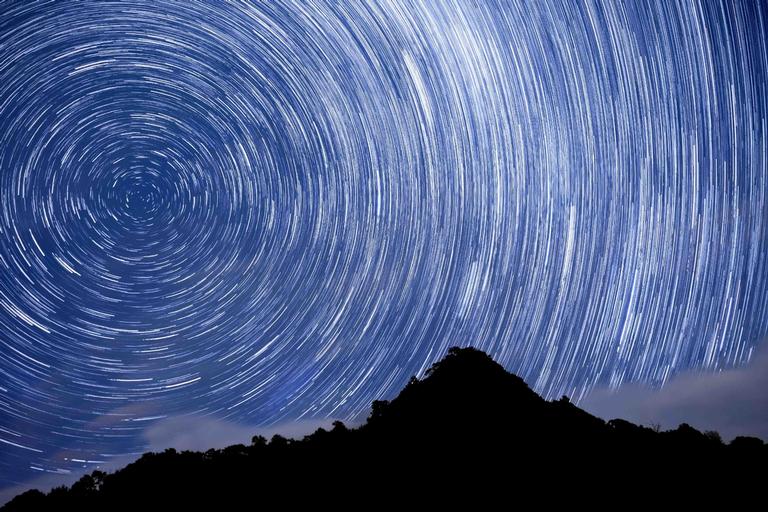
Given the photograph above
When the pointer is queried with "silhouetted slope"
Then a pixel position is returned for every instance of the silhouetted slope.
(464, 389)
(469, 429)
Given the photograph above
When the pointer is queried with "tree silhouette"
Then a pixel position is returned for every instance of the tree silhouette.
(467, 429)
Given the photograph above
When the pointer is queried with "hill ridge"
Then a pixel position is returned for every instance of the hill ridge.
(466, 412)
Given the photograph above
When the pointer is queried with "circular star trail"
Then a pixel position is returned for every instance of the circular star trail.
(265, 212)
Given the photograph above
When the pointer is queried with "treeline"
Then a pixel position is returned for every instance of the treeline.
(467, 430)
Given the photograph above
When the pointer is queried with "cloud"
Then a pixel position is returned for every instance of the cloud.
(733, 402)
(190, 432)
(200, 433)
(47, 481)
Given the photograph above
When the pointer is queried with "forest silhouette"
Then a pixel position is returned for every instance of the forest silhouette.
(467, 430)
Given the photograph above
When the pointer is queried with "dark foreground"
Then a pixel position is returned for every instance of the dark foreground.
(469, 430)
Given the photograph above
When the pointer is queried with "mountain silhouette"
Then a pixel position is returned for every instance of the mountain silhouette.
(468, 430)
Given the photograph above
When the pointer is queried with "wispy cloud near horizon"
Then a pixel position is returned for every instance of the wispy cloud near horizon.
(187, 432)
(200, 433)
(734, 402)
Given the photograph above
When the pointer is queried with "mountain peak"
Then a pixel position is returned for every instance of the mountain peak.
(464, 386)
(468, 416)
(464, 359)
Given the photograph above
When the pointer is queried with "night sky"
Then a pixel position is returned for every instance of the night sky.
(262, 213)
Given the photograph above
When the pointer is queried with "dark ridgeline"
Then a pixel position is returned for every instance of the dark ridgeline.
(468, 429)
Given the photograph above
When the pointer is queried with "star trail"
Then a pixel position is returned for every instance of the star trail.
(263, 212)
